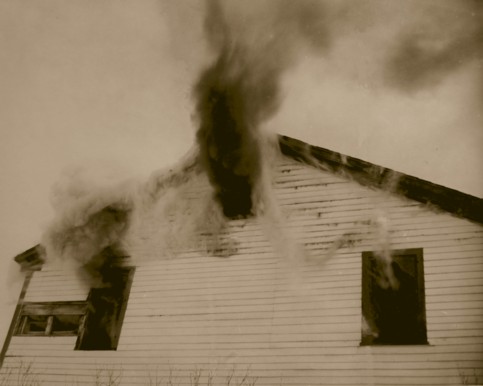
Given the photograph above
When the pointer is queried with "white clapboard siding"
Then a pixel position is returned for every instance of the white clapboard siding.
(285, 307)
(56, 283)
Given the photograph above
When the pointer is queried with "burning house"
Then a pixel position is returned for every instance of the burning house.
(343, 272)
(255, 261)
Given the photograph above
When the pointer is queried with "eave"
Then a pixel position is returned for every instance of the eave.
(436, 196)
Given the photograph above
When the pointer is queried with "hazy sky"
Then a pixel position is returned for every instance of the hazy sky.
(107, 85)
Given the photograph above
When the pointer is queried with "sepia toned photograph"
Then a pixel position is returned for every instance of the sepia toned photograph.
(241, 192)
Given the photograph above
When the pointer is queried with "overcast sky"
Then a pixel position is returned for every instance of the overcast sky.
(107, 85)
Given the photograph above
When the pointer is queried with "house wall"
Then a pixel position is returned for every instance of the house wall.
(284, 314)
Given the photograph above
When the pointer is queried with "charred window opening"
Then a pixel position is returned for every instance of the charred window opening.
(97, 322)
(51, 318)
(106, 309)
(394, 315)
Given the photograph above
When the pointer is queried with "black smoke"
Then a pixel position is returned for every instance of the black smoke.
(95, 242)
(230, 151)
(241, 89)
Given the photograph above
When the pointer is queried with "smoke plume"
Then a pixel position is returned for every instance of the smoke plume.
(95, 210)
(253, 47)
(425, 54)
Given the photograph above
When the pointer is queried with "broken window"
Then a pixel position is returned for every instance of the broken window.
(97, 321)
(51, 318)
(393, 309)
(106, 308)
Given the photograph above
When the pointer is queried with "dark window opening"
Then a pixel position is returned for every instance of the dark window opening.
(35, 324)
(393, 315)
(66, 324)
(106, 308)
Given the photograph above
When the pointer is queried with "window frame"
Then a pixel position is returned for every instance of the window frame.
(367, 305)
(50, 310)
(113, 289)
(84, 341)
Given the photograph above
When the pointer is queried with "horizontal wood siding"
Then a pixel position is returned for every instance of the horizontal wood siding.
(286, 307)
(56, 283)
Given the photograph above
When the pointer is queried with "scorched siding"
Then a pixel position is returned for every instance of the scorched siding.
(289, 321)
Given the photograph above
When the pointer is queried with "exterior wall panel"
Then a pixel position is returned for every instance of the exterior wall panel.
(284, 318)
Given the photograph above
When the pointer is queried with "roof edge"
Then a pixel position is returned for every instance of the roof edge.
(32, 259)
(437, 196)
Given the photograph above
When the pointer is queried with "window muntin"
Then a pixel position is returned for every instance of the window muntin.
(35, 324)
(393, 314)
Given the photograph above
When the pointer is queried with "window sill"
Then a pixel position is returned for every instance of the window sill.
(424, 344)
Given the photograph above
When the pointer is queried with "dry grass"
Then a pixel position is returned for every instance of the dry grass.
(199, 377)
(24, 375)
(108, 377)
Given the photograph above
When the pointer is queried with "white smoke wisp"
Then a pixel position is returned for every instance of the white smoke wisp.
(163, 179)
(381, 228)
(375, 226)
(275, 221)
(100, 216)
(177, 214)
(383, 251)
(92, 209)
(183, 219)
(271, 30)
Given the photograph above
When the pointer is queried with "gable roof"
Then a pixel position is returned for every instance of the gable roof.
(435, 196)
(368, 174)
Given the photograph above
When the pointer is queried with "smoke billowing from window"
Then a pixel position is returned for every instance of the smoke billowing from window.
(94, 213)
(254, 44)
(93, 209)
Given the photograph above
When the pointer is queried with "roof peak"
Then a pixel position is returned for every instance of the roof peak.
(368, 174)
